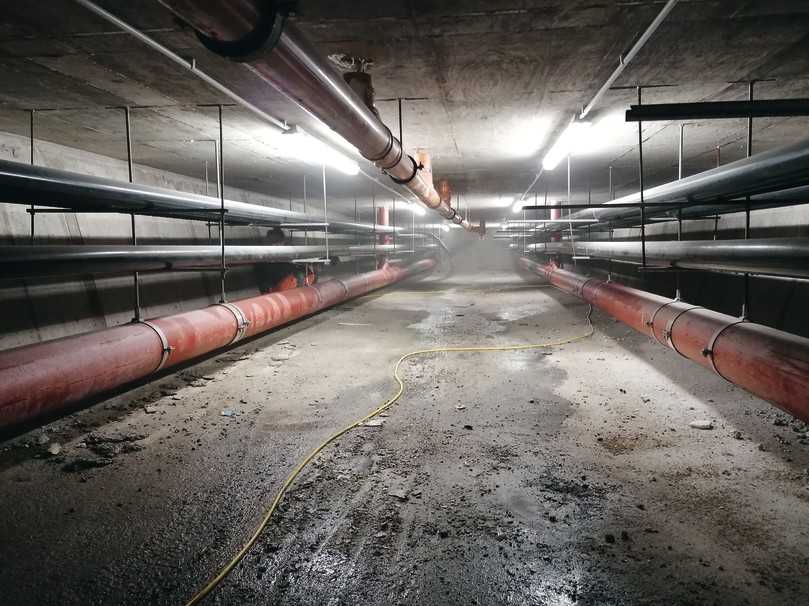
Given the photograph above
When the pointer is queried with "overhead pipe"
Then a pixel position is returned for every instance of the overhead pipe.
(27, 184)
(626, 59)
(718, 110)
(257, 34)
(778, 177)
(49, 260)
(769, 363)
(773, 256)
(46, 378)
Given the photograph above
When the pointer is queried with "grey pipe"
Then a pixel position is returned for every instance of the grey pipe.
(779, 177)
(256, 34)
(775, 256)
(25, 184)
(29, 261)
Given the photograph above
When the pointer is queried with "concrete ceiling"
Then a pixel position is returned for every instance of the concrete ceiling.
(499, 79)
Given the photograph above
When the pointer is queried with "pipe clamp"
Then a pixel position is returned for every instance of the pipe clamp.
(167, 349)
(670, 327)
(708, 351)
(262, 39)
(651, 322)
(241, 322)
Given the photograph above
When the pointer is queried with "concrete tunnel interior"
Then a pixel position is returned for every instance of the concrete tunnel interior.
(404, 302)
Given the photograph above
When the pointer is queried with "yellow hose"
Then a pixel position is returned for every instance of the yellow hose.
(265, 520)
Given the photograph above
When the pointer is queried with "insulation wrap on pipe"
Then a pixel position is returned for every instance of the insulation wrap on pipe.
(769, 363)
(45, 378)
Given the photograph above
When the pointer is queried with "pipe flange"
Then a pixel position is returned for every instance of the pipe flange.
(670, 326)
(388, 147)
(416, 168)
(708, 351)
(263, 38)
(241, 322)
(167, 349)
(651, 322)
(395, 161)
(580, 291)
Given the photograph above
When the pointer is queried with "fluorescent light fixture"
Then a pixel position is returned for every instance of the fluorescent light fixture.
(574, 137)
(582, 138)
(306, 148)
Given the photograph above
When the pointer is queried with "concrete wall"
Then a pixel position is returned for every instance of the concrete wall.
(34, 310)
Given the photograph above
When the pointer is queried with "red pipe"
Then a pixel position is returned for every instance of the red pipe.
(772, 364)
(44, 378)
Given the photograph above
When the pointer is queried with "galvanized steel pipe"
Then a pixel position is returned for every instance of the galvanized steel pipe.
(774, 256)
(26, 184)
(27, 261)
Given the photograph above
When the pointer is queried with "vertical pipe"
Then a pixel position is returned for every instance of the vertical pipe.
(31, 137)
(612, 186)
(680, 153)
(207, 193)
(221, 172)
(401, 132)
(679, 237)
(569, 201)
(325, 209)
(373, 208)
(640, 179)
(746, 303)
(306, 233)
(356, 235)
(130, 169)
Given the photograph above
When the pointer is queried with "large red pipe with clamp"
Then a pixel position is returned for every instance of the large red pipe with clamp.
(44, 378)
(770, 363)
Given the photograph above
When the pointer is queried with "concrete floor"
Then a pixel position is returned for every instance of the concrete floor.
(564, 476)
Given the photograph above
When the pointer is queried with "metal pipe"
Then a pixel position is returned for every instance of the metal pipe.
(769, 363)
(776, 256)
(186, 64)
(70, 260)
(22, 184)
(45, 378)
(772, 178)
(717, 110)
(626, 59)
(257, 34)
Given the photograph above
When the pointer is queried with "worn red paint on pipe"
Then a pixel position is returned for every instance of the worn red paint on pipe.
(770, 363)
(41, 379)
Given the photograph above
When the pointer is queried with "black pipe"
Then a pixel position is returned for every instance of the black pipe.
(716, 110)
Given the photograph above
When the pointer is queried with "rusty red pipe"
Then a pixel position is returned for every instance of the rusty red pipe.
(44, 378)
(772, 364)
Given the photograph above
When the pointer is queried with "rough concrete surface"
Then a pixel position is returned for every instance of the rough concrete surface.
(570, 475)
